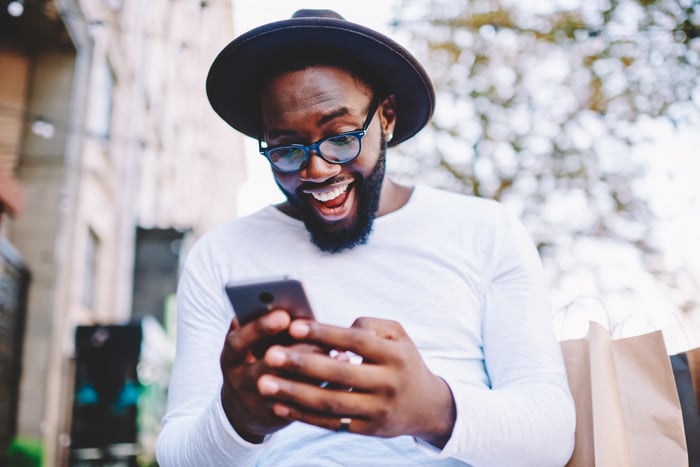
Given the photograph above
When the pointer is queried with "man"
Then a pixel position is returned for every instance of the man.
(440, 294)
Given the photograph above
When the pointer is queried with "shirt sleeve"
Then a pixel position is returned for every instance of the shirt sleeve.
(526, 417)
(195, 429)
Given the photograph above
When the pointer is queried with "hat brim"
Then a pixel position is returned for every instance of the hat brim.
(235, 75)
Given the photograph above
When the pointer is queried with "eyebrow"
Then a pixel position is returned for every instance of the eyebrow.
(342, 111)
(333, 115)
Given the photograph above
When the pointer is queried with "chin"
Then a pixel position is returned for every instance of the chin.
(354, 229)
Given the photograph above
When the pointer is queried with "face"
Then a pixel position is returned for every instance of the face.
(337, 203)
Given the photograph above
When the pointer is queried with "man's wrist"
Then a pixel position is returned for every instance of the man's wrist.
(444, 427)
(248, 436)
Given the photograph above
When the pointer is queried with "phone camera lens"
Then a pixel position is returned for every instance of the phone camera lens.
(266, 297)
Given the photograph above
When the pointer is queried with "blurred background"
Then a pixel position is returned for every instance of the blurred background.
(581, 117)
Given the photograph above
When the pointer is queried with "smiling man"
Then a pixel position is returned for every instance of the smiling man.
(440, 295)
(339, 193)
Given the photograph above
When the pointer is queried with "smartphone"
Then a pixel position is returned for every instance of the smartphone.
(252, 299)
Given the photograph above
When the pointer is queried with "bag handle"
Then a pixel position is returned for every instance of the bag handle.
(694, 367)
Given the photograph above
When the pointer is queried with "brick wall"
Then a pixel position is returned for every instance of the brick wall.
(13, 96)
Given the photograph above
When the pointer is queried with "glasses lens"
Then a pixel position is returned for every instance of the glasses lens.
(340, 148)
(287, 157)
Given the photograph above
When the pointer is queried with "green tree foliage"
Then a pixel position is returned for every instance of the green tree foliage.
(540, 106)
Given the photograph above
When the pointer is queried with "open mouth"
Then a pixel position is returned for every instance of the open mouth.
(333, 202)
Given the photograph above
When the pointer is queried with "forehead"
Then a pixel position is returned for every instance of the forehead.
(312, 84)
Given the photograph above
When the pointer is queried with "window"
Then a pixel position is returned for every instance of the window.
(92, 248)
(101, 120)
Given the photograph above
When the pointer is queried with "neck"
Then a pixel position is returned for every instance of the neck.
(394, 196)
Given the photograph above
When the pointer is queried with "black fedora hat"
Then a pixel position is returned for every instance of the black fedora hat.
(241, 68)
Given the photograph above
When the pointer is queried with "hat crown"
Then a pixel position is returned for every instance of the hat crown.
(311, 13)
(236, 75)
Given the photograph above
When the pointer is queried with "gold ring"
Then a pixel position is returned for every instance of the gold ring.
(345, 424)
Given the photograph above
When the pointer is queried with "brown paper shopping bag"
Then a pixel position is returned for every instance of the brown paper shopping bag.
(627, 409)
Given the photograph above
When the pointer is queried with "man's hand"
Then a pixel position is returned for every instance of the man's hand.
(392, 392)
(249, 413)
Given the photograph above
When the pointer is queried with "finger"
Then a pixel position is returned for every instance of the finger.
(282, 369)
(360, 341)
(241, 339)
(320, 367)
(312, 398)
(340, 423)
(307, 348)
(339, 411)
(384, 328)
(271, 323)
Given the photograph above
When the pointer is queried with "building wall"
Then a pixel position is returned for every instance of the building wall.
(42, 171)
(158, 162)
(192, 162)
(13, 93)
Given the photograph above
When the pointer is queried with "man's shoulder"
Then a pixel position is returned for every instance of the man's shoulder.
(463, 212)
(247, 224)
(431, 196)
(237, 231)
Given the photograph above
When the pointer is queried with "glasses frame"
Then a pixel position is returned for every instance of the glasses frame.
(307, 148)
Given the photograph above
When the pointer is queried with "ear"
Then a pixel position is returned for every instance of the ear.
(387, 116)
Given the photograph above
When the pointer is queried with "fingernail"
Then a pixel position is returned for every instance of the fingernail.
(277, 319)
(298, 329)
(280, 410)
(268, 386)
(275, 356)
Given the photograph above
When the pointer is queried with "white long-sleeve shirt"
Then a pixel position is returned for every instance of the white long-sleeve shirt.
(461, 276)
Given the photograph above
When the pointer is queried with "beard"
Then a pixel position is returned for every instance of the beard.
(367, 192)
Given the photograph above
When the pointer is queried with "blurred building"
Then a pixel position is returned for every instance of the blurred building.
(108, 151)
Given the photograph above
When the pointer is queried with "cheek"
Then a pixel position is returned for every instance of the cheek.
(288, 182)
(367, 160)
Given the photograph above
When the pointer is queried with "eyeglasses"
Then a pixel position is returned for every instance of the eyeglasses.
(335, 149)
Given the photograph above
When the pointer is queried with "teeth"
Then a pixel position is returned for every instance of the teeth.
(329, 195)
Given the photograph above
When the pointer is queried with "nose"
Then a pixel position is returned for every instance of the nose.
(317, 170)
